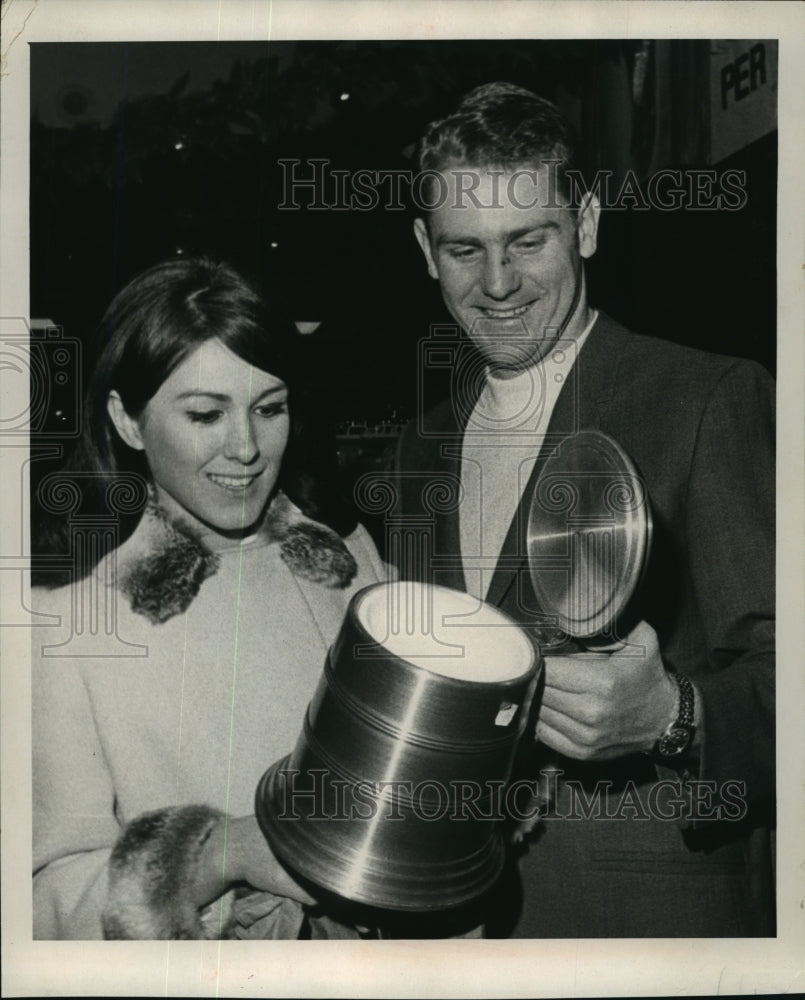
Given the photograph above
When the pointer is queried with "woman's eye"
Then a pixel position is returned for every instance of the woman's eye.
(272, 409)
(204, 417)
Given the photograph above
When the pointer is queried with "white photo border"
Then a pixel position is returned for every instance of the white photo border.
(555, 968)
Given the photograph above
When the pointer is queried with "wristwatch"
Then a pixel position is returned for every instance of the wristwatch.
(677, 738)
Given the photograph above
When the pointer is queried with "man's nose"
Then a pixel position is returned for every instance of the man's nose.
(500, 277)
(241, 441)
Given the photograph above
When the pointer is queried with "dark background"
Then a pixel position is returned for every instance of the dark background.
(140, 151)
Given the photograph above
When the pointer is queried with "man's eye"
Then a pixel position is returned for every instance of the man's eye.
(204, 417)
(528, 246)
(463, 253)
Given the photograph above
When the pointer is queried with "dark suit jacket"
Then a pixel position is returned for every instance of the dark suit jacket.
(699, 428)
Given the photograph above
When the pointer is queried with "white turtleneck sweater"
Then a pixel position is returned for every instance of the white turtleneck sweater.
(501, 443)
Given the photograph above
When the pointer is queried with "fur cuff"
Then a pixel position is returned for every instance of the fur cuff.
(152, 873)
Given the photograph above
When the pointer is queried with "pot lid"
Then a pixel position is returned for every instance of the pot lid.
(589, 533)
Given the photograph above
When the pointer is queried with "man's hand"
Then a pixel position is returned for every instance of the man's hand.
(601, 705)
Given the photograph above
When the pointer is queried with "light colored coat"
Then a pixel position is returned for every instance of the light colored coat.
(190, 713)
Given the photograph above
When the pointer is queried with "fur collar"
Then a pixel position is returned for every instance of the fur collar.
(164, 581)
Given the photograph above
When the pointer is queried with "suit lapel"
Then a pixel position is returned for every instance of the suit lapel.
(447, 534)
(443, 436)
(581, 402)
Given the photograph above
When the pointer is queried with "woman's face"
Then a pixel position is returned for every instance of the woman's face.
(214, 436)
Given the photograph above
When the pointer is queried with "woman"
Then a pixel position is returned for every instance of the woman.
(150, 735)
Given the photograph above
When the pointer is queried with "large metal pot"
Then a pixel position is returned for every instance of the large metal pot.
(392, 796)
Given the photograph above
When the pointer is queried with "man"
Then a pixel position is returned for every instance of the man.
(659, 823)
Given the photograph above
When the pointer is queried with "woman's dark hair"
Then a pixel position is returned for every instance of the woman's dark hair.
(154, 323)
(152, 326)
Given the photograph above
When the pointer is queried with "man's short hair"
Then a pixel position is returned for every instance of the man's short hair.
(503, 126)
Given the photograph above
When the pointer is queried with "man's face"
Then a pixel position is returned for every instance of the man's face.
(508, 259)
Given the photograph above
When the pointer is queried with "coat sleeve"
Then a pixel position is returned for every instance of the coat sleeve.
(74, 825)
(730, 527)
(93, 877)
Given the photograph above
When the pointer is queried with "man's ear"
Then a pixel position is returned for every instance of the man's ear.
(126, 426)
(589, 214)
(423, 239)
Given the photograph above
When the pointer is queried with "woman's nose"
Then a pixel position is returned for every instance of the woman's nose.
(241, 441)
(500, 277)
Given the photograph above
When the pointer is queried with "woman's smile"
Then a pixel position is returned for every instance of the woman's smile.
(233, 483)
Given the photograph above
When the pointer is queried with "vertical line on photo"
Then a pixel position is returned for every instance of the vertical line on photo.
(234, 675)
(270, 17)
(120, 147)
(196, 437)
(231, 721)
(179, 741)
(181, 704)
(249, 436)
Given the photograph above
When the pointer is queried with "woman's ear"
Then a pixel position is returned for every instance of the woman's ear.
(126, 426)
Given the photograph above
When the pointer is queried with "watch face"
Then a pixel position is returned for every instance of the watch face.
(674, 742)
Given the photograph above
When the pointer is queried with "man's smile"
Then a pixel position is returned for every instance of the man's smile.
(509, 312)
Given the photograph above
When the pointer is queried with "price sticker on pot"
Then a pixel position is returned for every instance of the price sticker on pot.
(506, 713)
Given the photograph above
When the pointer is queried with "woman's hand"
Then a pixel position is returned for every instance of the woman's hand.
(237, 851)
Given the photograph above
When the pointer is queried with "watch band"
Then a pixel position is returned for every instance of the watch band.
(687, 700)
(674, 743)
